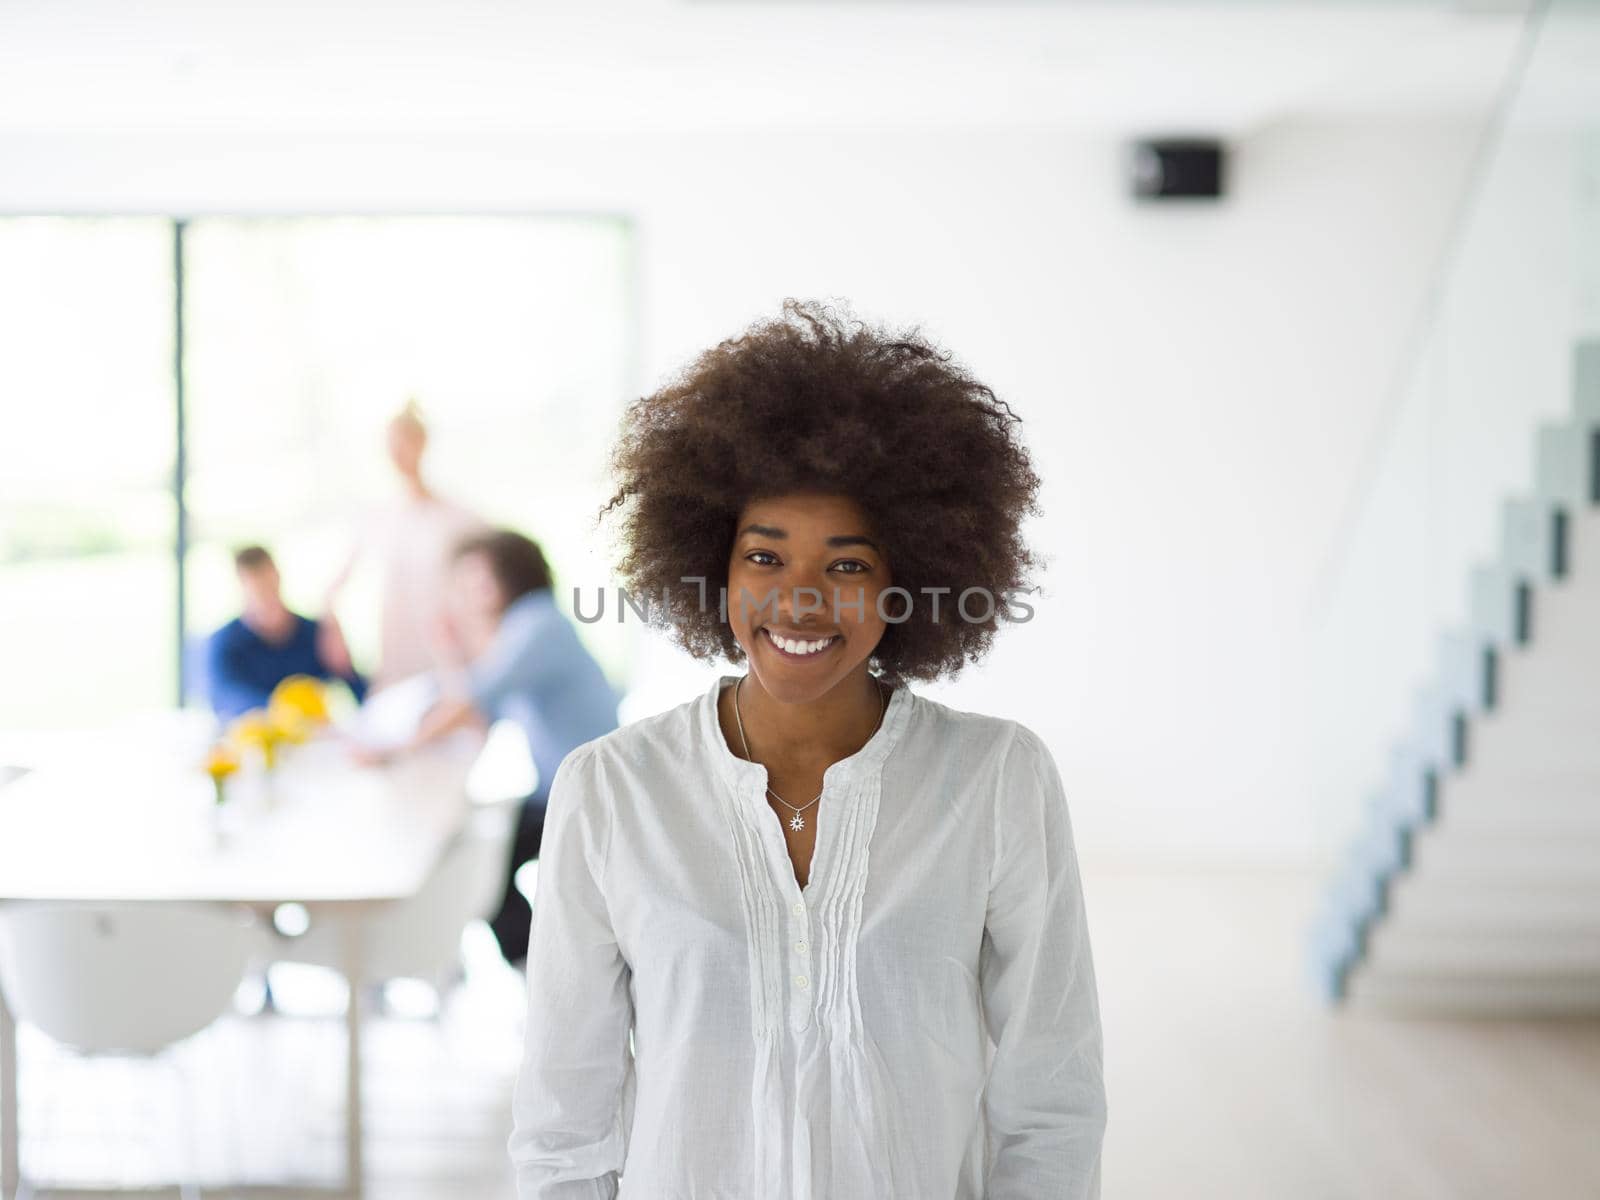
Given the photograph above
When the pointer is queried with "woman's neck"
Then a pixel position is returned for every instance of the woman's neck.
(829, 728)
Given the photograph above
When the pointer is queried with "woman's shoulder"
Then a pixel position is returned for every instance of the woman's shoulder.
(1003, 761)
(979, 737)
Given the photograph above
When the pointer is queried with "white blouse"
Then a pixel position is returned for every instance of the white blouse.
(919, 1022)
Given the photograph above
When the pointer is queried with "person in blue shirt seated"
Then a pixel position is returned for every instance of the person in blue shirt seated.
(268, 642)
(515, 657)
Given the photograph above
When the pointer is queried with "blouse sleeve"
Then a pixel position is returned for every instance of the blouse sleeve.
(1044, 1103)
(568, 1140)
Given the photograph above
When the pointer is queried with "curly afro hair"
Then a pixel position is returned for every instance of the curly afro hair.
(884, 417)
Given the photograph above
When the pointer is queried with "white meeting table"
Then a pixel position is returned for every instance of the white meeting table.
(128, 818)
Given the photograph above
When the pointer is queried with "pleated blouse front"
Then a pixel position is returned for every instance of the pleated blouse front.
(918, 1023)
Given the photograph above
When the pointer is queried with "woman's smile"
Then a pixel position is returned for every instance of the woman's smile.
(798, 647)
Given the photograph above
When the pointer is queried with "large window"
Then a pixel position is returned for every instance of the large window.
(88, 592)
(301, 337)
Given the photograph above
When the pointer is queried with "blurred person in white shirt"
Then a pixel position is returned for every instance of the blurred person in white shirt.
(410, 538)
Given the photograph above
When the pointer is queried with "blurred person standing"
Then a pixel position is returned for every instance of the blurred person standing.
(512, 655)
(268, 642)
(410, 539)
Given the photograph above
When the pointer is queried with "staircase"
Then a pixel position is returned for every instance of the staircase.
(1474, 886)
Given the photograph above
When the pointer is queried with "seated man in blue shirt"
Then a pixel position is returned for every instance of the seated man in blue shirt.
(252, 654)
(519, 659)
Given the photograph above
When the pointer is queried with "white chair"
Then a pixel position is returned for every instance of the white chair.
(127, 979)
(420, 937)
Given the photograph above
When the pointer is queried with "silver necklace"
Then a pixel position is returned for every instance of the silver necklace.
(796, 821)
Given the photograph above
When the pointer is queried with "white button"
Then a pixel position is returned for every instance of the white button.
(799, 909)
(801, 947)
(800, 981)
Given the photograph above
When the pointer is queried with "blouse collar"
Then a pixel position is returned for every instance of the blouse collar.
(862, 764)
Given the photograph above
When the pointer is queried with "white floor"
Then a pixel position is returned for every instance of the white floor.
(259, 1099)
(1227, 1079)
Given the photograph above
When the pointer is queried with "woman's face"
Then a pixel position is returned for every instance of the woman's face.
(803, 585)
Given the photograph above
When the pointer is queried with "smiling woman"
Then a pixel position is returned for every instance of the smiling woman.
(843, 923)
(815, 404)
(804, 582)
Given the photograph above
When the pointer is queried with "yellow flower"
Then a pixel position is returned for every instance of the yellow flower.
(221, 762)
(289, 726)
(297, 707)
(253, 730)
(302, 697)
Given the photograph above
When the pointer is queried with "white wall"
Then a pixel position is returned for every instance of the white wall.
(1198, 384)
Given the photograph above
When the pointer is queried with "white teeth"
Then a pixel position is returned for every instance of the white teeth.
(795, 646)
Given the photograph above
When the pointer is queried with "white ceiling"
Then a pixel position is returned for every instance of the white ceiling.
(483, 66)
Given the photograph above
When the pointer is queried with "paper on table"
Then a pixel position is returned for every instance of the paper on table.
(391, 716)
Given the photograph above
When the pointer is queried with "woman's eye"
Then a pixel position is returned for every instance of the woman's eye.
(762, 558)
(851, 566)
